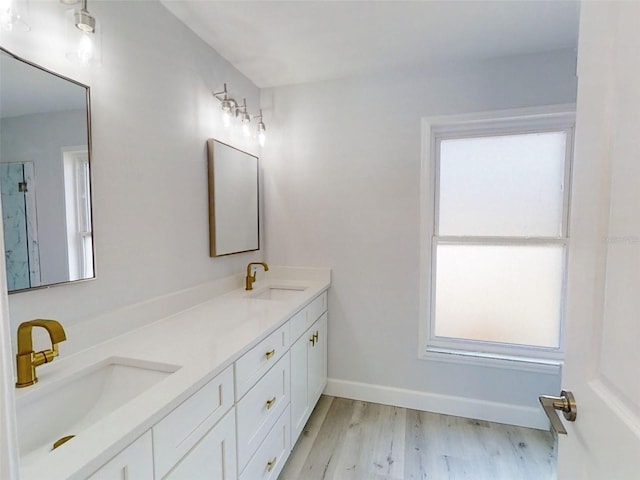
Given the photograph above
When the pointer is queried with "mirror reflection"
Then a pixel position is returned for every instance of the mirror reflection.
(44, 176)
(233, 200)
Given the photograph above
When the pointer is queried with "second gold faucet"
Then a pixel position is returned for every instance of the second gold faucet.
(250, 278)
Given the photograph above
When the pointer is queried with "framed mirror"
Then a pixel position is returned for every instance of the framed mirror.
(45, 179)
(233, 200)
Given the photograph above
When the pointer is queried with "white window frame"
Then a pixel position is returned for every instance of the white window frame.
(504, 122)
(78, 213)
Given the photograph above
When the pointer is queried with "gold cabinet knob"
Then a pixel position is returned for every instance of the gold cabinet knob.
(271, 463)
(270, 354)
(270, 403)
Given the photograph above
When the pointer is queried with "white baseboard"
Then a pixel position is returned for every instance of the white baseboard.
(523, 416)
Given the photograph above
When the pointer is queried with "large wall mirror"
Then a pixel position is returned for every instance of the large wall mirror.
(233, 200)
(45, 149)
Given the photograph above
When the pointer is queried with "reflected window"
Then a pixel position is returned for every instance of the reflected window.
(78, 214)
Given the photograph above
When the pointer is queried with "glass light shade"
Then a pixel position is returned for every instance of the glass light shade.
(226, 118)
(14, 15)
(246, 121)
(83, 45)
(262, 133)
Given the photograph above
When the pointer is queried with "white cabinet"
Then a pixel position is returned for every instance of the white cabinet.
(134, 462)
(215, 434)
(308, 374)
(213, 457)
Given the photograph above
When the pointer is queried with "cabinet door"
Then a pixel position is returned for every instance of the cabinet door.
(134, 462)
(299, 385)
(317, 361)
(213, 457)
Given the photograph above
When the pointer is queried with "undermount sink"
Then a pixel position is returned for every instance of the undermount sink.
(278, 293)
(65, 407)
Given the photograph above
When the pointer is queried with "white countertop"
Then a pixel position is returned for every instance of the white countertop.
(202, 341)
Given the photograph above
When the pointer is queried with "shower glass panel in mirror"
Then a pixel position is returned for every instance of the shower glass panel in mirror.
(45, 149)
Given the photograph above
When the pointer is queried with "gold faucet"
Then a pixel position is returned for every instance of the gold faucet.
(252, 278)
(27, 360)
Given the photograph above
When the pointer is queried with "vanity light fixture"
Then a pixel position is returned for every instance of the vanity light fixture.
(14, 13)
(229, 105)
(231, 108)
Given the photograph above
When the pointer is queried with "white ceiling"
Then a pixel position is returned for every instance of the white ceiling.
(287, 42)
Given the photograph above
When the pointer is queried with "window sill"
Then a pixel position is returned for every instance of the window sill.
(493, 360)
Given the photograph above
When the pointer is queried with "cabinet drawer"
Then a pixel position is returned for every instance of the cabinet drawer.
(133, 462)
(255, 363)
(298, 324)
(179, 431)
(271, 456)
(213, 457)
(260, 408)
(317, 307)
(305, 317)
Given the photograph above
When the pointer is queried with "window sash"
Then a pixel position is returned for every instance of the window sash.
(485, 128)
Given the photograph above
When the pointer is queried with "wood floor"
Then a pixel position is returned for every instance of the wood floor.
(352, 440)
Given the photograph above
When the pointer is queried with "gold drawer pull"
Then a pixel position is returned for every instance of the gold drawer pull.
(271, 464)
(313, 340)
(270, 403)
(270, 354)
(315, 336)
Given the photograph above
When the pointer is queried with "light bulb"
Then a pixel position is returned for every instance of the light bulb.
(226, 118)
(262, 133)
(85, 48)
(246, 121)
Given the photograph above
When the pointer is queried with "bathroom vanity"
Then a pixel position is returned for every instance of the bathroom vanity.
(221, 390)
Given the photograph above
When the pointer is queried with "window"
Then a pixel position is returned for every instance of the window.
(78, 209)
(497, 234)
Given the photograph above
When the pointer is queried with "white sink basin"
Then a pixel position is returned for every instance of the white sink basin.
(67, 406)
(277, 293)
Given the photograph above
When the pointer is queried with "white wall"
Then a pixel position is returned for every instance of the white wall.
(342, 171)
(152, 112)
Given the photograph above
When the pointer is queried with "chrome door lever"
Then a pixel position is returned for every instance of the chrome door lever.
(566, 403)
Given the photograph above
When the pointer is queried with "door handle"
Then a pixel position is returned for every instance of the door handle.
(566, 403)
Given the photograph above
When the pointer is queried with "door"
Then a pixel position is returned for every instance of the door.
(602, 366)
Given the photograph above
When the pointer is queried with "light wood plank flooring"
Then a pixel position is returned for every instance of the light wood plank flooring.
(352, 440)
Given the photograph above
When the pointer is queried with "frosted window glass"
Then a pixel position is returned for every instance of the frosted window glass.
(506, 294)
(508, 185)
